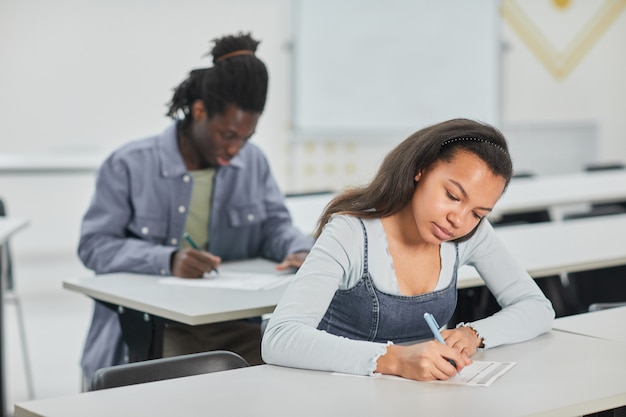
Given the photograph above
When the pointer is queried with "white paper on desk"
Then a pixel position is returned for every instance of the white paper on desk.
(233, 280)
(479, 373)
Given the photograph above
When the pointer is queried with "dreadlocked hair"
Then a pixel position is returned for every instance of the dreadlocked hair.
(236, 79)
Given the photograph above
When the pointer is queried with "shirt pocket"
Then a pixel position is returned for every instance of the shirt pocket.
(147, 228)
(249, 215)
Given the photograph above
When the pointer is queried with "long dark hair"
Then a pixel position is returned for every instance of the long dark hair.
(392, 187)
(237, 77)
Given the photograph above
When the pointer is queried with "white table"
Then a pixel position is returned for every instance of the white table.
(185, 304)
(607, 324)
(550, 379)
(8, 227)
(306, 209)
(543, 248)
(11, 225)
(551, 248)
(556, 192)
(144, 303)
(52, 162)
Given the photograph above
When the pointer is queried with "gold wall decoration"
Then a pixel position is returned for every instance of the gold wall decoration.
(561, 63)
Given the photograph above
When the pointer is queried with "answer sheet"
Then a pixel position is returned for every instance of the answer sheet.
(234, 280)
(248, 274)
(479, 373)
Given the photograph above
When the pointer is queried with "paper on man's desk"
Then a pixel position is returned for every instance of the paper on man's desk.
(250, 274)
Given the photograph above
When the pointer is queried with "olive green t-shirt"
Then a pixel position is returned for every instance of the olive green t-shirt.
(197, 225)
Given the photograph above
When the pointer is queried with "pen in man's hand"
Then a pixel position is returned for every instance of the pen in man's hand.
(190, 241)
(194, 245)
(434, 327)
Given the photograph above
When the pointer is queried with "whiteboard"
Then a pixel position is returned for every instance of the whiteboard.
(371, 65)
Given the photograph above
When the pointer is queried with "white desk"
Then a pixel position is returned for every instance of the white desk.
(185, 304)
(306, 209)
(607, 324)
(548, 380)
(543, 248)
(146, 303)
(552, 248)
(8, 227)
(556, 192)
(11, 225)
(53, 162)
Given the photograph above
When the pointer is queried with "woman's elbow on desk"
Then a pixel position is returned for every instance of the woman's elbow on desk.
(288, 343)
(271, 344)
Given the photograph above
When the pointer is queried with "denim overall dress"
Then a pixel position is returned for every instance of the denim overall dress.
(365, 313)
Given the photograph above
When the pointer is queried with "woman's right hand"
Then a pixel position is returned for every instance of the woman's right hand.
(426, 361)
(193, 263)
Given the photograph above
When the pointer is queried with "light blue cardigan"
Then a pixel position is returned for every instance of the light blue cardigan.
(336, 262)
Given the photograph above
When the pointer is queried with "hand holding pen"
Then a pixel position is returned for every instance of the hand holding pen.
(424, 361)
(193, 262)
(434, 328)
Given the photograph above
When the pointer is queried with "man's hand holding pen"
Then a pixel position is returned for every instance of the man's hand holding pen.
(193, 262)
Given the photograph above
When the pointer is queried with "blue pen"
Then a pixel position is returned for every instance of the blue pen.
(434, 327)
(194, 245)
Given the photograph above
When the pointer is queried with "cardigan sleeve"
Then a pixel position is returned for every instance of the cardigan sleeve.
(291, 337)
(526, 312)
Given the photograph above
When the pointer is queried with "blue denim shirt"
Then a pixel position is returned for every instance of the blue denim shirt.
(137, 215)
(138, 212)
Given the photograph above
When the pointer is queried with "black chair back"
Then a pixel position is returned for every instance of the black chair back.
(166, 368)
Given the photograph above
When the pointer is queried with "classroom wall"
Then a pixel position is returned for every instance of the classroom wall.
(564, 63)
(64, 83)
(62, 65)
(563, 96)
